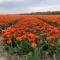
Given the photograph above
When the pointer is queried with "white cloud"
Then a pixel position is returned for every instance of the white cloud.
(45, 8)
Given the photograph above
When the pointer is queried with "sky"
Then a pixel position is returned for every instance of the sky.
(27, 6)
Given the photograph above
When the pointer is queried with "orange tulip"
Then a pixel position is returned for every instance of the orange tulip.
(18, 39)
(52, 44)
(34, 45)
(58, 41)
(9, 41)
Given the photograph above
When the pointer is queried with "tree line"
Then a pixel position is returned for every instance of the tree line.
(43, 13)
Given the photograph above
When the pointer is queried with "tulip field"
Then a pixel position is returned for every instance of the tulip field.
(30, 35)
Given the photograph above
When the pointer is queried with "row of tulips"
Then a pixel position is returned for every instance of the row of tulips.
(50, 18)
(7, 21)
(51, 23)
(4, 26)
(31, 36)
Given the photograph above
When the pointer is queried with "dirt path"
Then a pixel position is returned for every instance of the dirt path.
(2, 53)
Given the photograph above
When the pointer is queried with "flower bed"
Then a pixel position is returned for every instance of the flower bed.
(32, 38)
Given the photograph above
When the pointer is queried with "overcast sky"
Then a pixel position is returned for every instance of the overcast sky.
(27, 6)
